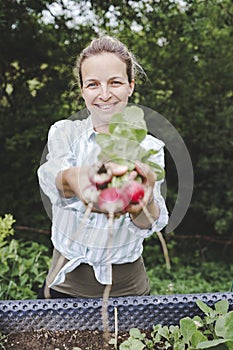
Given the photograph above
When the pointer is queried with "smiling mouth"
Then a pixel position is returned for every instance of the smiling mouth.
(106, 107)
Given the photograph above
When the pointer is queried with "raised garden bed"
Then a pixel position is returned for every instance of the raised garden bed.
(53, 318)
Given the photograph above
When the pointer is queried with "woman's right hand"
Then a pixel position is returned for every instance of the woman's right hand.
(74, 181)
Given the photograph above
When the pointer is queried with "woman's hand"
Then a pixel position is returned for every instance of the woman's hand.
(146, 212)
(74, 181)
(148, 181)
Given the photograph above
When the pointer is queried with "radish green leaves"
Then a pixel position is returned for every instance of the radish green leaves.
(123, 143)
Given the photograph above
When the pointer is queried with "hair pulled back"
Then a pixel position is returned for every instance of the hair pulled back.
(108, 44)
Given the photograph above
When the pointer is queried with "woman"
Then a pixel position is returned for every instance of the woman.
(83, 263)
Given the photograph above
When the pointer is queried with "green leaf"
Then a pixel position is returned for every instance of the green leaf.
(211, 343)
(204, 307)
(187, 328)
(220, 326)
(132, 344)
(224, 326)
(135, 116)
(175, 332)
(179, 345)
(116, 119)
(135, 333)
(197, 337)
(135, 340)
(123, 144)
(119, 127)
(137, 345)
(198, 321)
(130, 125)
(222, 306)
(160, 172)
(164, 332)
(6, 227)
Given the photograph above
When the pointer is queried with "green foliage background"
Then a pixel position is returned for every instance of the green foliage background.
(186, 50)
(23, 264)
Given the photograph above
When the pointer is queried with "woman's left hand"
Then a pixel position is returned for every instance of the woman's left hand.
(148, 182)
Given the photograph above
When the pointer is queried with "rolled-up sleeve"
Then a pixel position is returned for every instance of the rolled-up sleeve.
(162, 220)
(59, 158)
(159, 158)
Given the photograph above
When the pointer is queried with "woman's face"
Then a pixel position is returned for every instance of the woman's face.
(106, 88)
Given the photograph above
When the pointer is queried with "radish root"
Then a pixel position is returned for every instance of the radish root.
(107, 289)
(87, 213)
(106, 333)
(84, 219)
(165, 250)
(116, 325)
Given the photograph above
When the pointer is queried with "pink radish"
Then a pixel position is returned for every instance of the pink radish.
(100, 175)
(135, 191)
(113, 200)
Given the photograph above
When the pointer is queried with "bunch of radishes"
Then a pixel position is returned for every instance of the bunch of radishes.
(122, 145)
(112, 194)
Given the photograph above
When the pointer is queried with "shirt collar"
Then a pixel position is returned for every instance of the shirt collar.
(90, 130)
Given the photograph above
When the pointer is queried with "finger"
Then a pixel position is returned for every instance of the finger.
(147, 174)
(134, 208)
(142, 169)
(133, 175)
(117, 169)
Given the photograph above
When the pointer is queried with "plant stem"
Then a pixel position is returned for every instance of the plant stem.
(160, 236)
(107, 289)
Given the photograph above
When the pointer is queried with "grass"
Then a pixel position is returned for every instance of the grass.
(209, 277)
(189, 273)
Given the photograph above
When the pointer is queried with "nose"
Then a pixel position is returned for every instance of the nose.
(105, 92)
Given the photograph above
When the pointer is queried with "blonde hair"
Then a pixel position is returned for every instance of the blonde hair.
(108, 44)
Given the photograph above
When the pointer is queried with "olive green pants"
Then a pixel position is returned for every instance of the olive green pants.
(127, 279)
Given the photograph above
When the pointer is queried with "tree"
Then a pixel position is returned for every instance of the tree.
(36, 90)
(186, 51)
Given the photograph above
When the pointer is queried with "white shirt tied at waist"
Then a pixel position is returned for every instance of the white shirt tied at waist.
(70, 144)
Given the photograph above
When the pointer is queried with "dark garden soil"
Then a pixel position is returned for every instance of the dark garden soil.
(59, 340)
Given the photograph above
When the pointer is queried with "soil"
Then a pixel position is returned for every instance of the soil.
(59, 340)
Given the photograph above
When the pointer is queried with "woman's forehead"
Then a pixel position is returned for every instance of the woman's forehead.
(103, 65)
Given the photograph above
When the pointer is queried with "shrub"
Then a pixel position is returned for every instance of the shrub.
(23, 264)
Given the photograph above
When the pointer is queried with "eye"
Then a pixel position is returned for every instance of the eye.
(116, 83)
(92, 85)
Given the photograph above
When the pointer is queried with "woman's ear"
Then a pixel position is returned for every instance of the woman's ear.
(131, 87)
(81, 89)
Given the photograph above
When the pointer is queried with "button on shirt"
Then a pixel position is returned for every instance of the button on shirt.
(70, 144)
